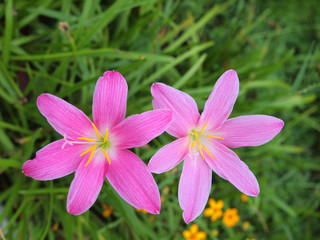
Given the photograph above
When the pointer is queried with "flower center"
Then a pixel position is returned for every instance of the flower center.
(195, 140)
(101, 143)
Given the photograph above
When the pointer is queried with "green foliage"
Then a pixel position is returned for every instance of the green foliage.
(187, 44)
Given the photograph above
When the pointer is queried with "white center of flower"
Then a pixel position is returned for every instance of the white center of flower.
(101, 144)
(195, 140)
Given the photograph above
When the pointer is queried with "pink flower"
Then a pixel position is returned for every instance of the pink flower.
(203, 141)
(99, 149)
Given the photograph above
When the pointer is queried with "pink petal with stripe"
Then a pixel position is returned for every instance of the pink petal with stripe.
(139, 129)
(109, 100)
(185, 114)
(65, 118)
(169, 156)
(134, 183)
(194, 187)
(229, 166)
(52, 162)
(220, 102)
(252, 130)
(86, 185)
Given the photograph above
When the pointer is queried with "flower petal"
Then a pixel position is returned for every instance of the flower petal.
(229, 166)
(139, 129)
(52, 162)
(86, 185)
(169, 156)
(250, 130)
(194, 186)
(109, 100)
(134, 183)
(221, 100)
(185, 114)
(65, 118)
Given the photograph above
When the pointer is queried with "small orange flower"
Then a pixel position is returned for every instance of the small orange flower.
(193, 233)
(215, 232)
(215, 209)
(244, 198)
(107, 210)
(55, 227)
(141, 210)
(245, 225)
(231, 217)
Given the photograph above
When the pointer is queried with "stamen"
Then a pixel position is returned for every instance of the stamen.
(195, 133)
(91, 155)
(208, 152)
(195, 142)
(199, 145)
(202, 129)
(97, 132)
(87, 139)
(92, 147)
(209, 136)
(106, 136)
(107, 157)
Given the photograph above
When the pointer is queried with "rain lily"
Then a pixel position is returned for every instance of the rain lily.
(203, 141)
(98, 149)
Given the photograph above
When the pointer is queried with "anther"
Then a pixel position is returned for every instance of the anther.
(88, 150)
(106, 155)
(91, 155)
(97, 132)
(202, 129)
(106, 136)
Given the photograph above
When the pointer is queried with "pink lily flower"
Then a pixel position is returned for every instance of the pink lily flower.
(203, 141)
(98, 149)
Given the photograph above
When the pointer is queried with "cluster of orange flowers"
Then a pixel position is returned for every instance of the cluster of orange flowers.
(230, 216)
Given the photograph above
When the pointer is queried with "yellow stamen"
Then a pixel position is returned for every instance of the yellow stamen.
(106, 136)
(202, 129)
(95, 128)
(209, 136)
(208, 151)
(195, 142)
(199, 145)
(91, 155)
(87, 139)
(92, 147)
(195, 133)
(107, 157)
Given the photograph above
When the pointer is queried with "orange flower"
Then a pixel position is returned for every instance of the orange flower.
(107, 210)
(231, 217)
(142, 210)
(245, 225)
(215, 232)
(215, 209)
(193, 233)
(244, 198)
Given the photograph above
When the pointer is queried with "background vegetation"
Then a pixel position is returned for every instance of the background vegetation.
(273, 45)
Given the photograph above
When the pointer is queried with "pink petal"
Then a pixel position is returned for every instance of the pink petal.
(134, 183)
(169, 156)
(139, 129)
(86, 185)
(229, 166)
(65, 118)
(251, 130)
(109, 100)
(194, 186)
(220, 102)
(52, 162)
(185, 114)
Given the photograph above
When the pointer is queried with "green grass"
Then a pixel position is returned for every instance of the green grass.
(272, 45)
